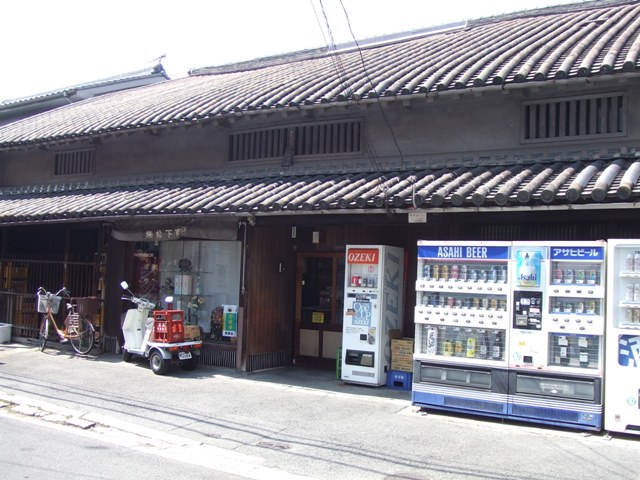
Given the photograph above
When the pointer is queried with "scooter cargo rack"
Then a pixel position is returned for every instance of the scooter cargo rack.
(168, 326)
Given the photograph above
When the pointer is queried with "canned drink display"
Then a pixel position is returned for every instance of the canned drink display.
(485, 303)
(426, 271)
(483, 276)
(493, 304)
(635, 315)
(450, 301)
(436, 272)
(473, 276)
(579, 307)
(591, 307)
(502, 304)
(636, 292)
(592, 277)
(503, 274)
(556, 307)
(580, 277)
(568, 307)
(568, 275)
(628, 293)
(463, 273)
(636, 261)
(629, 261)
(455, 272)
(493, 275)
(557, 276)
(628, 315)
(476, 302)
(356, 281)
(444, 273)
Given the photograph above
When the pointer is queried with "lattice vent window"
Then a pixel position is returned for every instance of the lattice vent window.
(577, 117)
(76, 162)
(302, 140)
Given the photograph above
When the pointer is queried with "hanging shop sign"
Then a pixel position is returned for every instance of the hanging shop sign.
(177, 228)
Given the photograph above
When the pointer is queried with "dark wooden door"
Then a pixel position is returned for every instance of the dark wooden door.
(319, 308)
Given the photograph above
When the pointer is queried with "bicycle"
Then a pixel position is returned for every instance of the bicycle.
(78, 330)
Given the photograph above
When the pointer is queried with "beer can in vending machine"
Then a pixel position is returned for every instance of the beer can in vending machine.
(426, 271)
(436, 272)
(444, 273)
(568, 275)
(557, 276)
(455, 272)
(463, 273)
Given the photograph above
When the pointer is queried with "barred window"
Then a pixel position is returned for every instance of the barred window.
(312, 139)
(76, 162)
(576, 117)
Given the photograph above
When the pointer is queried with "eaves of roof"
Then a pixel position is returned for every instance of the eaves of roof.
(598, 39)
(592, 183)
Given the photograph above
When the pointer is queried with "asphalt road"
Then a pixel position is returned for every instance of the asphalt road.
(306, 423)
(32, 449)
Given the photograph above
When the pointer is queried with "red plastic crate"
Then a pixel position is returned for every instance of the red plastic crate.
(168, 326)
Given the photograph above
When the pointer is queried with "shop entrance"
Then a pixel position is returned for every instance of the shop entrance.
(319, 308)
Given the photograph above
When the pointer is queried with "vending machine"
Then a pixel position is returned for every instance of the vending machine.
(463, 300)
(622, 368)
(556, 343)
(373, 306)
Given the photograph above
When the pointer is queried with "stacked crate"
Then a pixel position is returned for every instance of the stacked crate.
(399, 377)
(168, 326)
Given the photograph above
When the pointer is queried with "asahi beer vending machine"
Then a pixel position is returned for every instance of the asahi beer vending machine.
(622, 372)
(373, 305)
(463, 300)
(513, 330)
(556, 350)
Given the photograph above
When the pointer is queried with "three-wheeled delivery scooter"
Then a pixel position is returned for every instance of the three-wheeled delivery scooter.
(158, 337)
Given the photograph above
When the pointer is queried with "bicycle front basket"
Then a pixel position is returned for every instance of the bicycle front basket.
(44, 301)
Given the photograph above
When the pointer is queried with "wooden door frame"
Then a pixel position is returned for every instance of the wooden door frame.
(333, 327)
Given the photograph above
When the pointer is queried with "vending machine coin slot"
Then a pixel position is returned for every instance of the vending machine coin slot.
(527, 307)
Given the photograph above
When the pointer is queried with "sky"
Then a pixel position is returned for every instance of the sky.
(52, 44)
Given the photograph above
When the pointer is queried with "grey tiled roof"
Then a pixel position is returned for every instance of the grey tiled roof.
(597, 38)
(599, 182)
(155, 71)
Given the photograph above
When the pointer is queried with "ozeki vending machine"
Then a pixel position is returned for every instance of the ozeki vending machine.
(462, 327)
(373, 305)
(622, 370)
(556, 354)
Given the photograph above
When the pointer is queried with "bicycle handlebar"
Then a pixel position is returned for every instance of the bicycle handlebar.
(62, 292)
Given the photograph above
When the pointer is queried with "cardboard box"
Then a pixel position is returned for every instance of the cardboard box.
(191, 332)
(402, 354)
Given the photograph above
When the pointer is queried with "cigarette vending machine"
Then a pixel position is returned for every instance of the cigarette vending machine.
(373, 305)
(462, 326)
(556, 360)
(622, 369)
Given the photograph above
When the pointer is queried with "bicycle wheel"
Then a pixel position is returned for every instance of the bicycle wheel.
(44, 331)
(81, 335)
